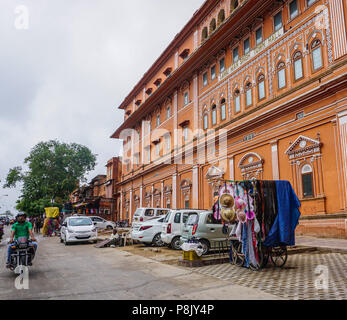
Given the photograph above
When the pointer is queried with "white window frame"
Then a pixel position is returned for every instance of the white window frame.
(220, 69)
(262, 35)
(297, 10)
(205, 79)
(249, 45)
(213, 74)
(274, 20)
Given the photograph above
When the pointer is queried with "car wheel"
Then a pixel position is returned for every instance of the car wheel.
(205, 246)
(61, 240)
(157, 241)
(109, 227)
(176, 243)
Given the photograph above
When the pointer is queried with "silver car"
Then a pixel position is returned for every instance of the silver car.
(203, 227)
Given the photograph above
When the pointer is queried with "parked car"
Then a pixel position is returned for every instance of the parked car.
(171, 230)
(144, 214)
(148, 232)
(101, 223)
(203, 227)
(77, 229)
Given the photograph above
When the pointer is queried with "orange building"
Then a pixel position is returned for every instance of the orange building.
(247, 89)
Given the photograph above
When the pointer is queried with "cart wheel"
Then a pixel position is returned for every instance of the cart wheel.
(263, 257)
(279, 256)
(238, 257)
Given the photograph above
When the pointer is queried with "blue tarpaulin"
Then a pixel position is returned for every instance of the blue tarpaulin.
(282, 232)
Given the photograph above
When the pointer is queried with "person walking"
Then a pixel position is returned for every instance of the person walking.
(38, 225)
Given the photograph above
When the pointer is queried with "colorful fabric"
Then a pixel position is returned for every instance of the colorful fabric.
(45, 227)
(52, 212)
(282, 232)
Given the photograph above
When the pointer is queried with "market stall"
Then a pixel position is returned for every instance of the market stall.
(262, 217)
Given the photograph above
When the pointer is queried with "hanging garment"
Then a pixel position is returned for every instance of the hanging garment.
(245, 248)
(283, 231)
(267, 212)
(217, 217)
(250, 245)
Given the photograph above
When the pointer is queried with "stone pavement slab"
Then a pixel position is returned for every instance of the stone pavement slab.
(339, 245)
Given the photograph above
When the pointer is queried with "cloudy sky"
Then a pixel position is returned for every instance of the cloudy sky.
(65, 70)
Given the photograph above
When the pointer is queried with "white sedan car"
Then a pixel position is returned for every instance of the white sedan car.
(101, 223)
(78, 229)
(148, 232)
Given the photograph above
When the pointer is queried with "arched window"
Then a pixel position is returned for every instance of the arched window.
(249, 100)
(316, 55)
(222, 110)
(261, 87)
(205, 121)
(237, 101)
(298, 66)
(307, 181)
(204, 34)
(221, 16)
(233, 5)
(281, 75)
(213, 25)
(214, 115)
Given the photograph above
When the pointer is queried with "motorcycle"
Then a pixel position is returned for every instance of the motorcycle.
(22, 253)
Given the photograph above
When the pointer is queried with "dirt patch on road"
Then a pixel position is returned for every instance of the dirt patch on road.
(160, 254)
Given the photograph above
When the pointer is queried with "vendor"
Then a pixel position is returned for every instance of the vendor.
(115, 238)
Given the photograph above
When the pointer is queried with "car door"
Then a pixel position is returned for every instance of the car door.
(212, 230)
(63, 229)
(176, 223)
(99, 222)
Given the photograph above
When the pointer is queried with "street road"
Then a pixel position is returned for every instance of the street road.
(81, 271)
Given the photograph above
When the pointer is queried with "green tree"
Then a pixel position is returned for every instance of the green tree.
(54, 169)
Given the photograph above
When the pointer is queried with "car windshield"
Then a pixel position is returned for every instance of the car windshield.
(192, 219)
(167, 217)
(80, 222)
(138, 212)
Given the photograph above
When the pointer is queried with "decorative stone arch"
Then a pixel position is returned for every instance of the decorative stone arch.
(136, 201)
(296, 46)
(213, 25)
(251, 165)
(184, 86)
(167, 195)
(258, 71)
(215, 173)
(186, 187)
(204, 33)
(221, 17)
(157, 198)
(314, 35)
(148, 199)
(307, 151)
(234, 4)
(279, 58)
(167, 101)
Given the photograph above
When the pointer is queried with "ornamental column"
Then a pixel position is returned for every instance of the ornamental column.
(274, 156)
(174, 191)
(196, 186)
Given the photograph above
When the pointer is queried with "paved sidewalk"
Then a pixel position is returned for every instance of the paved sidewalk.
(337, 245)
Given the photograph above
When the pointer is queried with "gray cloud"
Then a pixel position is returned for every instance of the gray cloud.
(65, 76)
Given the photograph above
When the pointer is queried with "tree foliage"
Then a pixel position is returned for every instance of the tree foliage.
(54, 169)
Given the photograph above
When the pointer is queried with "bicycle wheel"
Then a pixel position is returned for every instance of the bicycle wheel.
(279, 256)
(238, 257)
